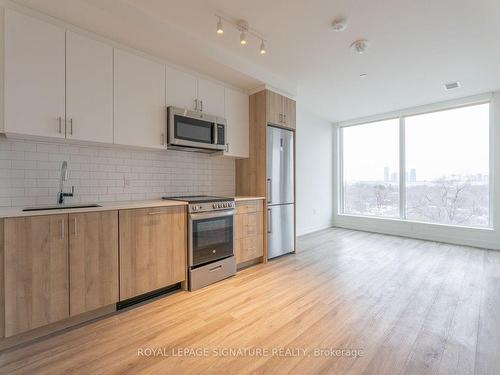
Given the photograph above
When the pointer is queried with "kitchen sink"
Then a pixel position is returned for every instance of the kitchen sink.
(61, 207)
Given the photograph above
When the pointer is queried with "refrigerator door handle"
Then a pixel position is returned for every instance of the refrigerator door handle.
(269, 191)
(269, 218)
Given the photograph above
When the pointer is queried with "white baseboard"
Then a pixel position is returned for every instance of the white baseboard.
(303, 231)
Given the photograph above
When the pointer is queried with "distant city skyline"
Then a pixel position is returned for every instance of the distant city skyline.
(411, 176)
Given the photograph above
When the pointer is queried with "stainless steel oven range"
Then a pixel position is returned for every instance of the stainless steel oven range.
(210, 239)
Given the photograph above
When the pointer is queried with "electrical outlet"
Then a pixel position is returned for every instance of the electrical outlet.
(126, 182)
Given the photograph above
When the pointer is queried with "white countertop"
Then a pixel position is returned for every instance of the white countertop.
(244, 198)
(105, 206)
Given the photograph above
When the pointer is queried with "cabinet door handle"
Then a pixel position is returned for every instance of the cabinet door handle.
(163, 139)
(60, 125)
(227, 147)
(156, 213)
(71, 126)
(75, 225)
(201, 101)
(284, 119)
(196, 104)
(62, 229)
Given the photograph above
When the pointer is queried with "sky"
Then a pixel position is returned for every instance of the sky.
(437, 144)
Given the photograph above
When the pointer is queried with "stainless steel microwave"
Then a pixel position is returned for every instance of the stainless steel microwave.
(195, 131)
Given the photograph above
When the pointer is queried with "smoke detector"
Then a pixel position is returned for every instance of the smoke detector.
(452, 85)
(360, 46)
(339, 25)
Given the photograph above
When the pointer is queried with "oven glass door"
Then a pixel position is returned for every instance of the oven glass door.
(211, 238)
(194, 130)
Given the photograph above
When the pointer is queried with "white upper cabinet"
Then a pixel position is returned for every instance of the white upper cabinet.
(182, 89)
(89, 89)
(64, 84)
(211, 97)
(185, 90)
(139, 105)
(237, 115)
(34, 76)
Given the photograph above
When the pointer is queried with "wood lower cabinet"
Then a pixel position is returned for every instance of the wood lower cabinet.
(93, 259)
(57, 266)
(58, 269)
(152, 249)
(249, 223)
(36, 272)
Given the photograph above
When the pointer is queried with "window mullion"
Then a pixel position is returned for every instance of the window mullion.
(402, 169)
(340, 166)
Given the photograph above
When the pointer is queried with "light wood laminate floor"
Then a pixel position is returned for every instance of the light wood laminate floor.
(410, 306)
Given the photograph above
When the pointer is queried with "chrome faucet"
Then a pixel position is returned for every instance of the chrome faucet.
(64, 177)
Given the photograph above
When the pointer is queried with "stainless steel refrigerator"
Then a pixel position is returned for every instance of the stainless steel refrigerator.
(280, 192)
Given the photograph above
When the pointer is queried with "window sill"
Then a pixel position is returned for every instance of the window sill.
(423, 223)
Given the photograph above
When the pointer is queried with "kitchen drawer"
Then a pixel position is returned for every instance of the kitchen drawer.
(249, 206)
(249, 248)
(211, 273)
(248, 225)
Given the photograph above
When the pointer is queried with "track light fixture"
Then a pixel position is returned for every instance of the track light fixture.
(243, 38)
(262, 47)
(220, 30)
(242, 26)
(244, 29)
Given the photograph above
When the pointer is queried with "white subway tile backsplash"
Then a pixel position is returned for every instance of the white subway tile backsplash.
(24, 146)
(30, 170)
(47, 147)
(39, 156)
(24, 164)
(12, 155)
(5, 164)
(23, 201)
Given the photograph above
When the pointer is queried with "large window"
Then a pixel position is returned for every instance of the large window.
(371, 169)
(446, 167)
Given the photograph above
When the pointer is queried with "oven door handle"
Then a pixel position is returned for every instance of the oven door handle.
(210, 215)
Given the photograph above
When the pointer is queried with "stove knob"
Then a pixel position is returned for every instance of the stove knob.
(214, 205)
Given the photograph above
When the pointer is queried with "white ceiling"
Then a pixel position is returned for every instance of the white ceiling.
(415, 46)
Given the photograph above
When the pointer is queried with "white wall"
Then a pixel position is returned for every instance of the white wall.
(29, 173)
(2, 12)
(314, 172)
(488, 238)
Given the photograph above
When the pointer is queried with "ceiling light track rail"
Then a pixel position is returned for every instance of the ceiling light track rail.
(243, 27)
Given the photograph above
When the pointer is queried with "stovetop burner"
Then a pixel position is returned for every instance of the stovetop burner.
(199, 198)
